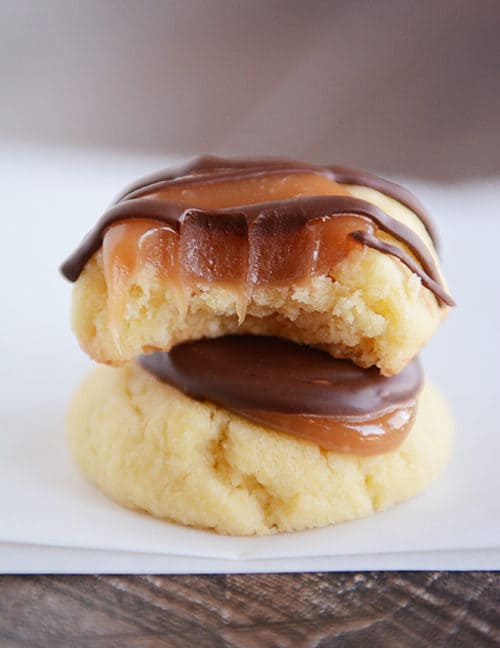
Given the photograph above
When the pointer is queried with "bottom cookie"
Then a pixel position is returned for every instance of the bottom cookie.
(150, 447)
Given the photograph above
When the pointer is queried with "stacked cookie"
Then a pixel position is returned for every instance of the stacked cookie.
(262, 320)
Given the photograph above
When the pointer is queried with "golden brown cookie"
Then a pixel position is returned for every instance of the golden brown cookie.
(332, 258)
(150, 447)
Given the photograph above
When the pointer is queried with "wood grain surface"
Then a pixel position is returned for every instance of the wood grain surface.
(372, 609)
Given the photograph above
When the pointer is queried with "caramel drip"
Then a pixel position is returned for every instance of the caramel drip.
(139, 250)
(295, 389)
(234, 257)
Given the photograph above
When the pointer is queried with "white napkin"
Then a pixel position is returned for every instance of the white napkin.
(52, 520)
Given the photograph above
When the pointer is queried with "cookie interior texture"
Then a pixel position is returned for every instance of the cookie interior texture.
(372, 309)
(151, 448)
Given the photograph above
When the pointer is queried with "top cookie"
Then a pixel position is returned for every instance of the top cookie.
(326, 256)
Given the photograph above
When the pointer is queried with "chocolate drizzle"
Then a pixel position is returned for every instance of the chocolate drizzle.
(136, 203)
(266, 373)
(209, 168)
(346, 175)
(386, 248)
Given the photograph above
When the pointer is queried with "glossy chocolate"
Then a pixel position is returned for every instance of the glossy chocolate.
(247, 372)
(296, 389)
(209, 168)
(261, 219)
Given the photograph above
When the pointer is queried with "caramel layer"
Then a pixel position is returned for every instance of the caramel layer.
(225, 252)
(230, 192)
(209, 168)
(347, 435)
(285, 234)
(296, 389)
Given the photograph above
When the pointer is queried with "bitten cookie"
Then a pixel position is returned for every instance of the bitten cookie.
(150, 447)
(330, 257)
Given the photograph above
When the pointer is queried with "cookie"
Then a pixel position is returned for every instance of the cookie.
(333, 258)
(150, 447)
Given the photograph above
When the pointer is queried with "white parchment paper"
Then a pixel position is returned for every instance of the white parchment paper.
(50, 199)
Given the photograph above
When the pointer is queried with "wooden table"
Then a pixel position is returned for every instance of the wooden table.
(454, 105)
(372, 609)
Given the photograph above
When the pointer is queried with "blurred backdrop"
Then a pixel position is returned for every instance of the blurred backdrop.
(400, 86)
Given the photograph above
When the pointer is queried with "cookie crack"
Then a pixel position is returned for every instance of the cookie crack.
(233, 478)
(131, 399)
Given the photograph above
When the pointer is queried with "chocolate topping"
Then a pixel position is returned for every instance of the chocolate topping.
(292, 214)
(427, 279)
(210, 168)
(266, 373)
